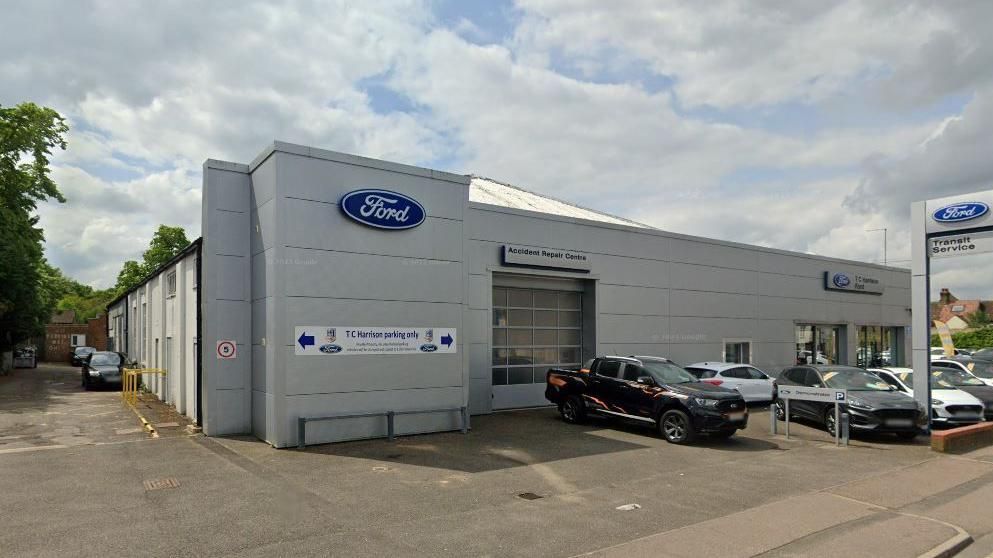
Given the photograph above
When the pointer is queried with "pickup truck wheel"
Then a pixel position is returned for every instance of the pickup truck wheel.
(572, 410)
(675, 427)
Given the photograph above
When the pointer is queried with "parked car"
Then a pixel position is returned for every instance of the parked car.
(650, 390)
(78, 354)
(949, 405)
(986, 353)
(967, 383)
(982, 369)
(872, 405)
(753, 384)
(103, 368)
(25, 357)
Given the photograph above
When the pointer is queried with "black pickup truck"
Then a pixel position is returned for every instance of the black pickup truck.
(650, 390)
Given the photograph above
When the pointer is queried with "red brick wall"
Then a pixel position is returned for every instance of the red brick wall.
(96, 336)
(57, 338)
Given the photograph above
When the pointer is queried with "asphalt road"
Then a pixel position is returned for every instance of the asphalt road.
(605, 488)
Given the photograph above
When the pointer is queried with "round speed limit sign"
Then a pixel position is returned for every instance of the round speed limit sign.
(226, 349)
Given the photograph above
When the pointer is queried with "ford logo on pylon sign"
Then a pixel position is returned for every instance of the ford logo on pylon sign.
(841, 280)
(383, 209)
(957, 212)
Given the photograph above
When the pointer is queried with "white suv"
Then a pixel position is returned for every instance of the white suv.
(752, 383)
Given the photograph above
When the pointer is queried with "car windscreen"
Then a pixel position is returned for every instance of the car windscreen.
(84, 350)
(980, 368)
(105, 359)
(667, 373)
(985, 354)
(854, 379)
(949, 377)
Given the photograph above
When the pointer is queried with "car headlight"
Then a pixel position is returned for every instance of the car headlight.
(937, 402)
(94, 373)
(705, 402)
(858, 403)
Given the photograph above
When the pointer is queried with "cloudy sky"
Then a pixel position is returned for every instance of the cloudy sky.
(792, 124)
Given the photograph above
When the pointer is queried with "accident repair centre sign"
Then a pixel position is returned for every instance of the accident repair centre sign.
(355, 340)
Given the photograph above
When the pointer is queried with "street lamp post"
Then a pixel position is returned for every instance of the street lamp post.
(883, 230)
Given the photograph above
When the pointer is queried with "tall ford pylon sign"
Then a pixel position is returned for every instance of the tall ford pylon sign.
(941, 228)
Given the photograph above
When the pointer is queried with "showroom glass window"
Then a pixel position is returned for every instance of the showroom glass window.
(818, 344)
(876, 347)
(534, 330)
(739, 352)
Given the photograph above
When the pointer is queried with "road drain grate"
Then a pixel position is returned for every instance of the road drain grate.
(159, 484)
(529, 496)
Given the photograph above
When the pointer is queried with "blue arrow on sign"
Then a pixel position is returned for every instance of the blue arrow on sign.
(447, 340)
(306, 340)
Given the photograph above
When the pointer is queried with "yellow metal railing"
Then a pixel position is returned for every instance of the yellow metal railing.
(129, 382)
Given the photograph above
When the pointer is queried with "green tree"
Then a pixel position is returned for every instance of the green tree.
(977, 319)
(166, 243)
(28, 134)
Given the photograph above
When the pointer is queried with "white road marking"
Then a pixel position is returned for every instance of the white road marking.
(33, 448)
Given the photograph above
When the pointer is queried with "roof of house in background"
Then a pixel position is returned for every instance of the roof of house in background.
(491, 192)
(63, 317)
(959, 308)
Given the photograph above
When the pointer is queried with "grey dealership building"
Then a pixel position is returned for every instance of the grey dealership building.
(329, 283)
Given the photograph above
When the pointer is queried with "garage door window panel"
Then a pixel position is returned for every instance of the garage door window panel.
(531, 328)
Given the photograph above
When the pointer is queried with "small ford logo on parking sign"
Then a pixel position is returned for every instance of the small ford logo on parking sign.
(958, 212)
(841, 280)
(383, 209)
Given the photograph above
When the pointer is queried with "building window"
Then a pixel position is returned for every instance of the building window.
(77, 340)
(738, 351)
(171, 284)
(818, 344)
(876, 347)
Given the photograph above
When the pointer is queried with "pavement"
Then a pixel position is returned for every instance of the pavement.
(519, 484)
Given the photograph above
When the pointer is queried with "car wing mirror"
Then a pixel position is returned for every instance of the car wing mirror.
(646, 380)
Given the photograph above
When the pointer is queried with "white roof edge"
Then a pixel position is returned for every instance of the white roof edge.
(494, 192)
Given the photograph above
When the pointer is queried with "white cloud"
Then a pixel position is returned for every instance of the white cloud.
(560, 107)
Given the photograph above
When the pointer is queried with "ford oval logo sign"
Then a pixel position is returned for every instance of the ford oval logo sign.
(383, 209)
(841, 280)
(960, 212)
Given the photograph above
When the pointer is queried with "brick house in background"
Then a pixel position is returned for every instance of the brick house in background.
(62, 333)
(956, 312)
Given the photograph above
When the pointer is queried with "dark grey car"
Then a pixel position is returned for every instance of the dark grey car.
(872, 405)
(103, 368)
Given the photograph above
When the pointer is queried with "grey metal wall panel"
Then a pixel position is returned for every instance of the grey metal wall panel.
(715, 255)
(711, 279)
(263, 280)
(225, 307)
(624, 299)
(480, 396)
(263, 221)
(317, 404)
(480, 361)
(346, 374)
(707, 304)
(328, 229)
(326, 181)
(259, 382)
(370, 277)
(628, 328)
(264, 182)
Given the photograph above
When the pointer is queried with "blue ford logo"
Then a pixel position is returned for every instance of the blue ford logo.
(383, 209)
(330, 349)
(960, 212)
(841, 280)
(429, 348)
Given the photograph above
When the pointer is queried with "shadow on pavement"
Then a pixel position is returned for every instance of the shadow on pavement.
(520, 438)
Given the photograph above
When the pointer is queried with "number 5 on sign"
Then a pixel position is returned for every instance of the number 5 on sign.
(226, 349)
